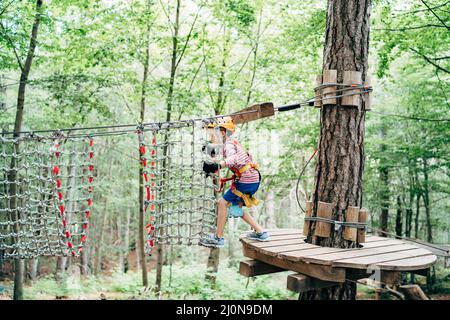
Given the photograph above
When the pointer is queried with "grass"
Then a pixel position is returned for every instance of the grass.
(186, 282)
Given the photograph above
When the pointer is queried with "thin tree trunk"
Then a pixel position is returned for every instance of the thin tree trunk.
(399, 218)
(426, 201)
(173, 70)
(12, 177)
(384, 179)
(141, 169)
(340, 162)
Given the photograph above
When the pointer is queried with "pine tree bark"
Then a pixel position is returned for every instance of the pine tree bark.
(340, 164)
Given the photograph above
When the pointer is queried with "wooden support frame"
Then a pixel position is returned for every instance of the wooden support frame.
(322, 272)
(253, 268)
(300, 283)
(367, 96)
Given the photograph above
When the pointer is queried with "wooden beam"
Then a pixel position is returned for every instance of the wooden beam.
(252, 268)
(301, 283)
(392, 278)
(262, 110)
(351, 215)
(322, 272)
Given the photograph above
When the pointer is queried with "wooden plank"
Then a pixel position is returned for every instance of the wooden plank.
(301, 283)
(364, 262)
(351, 215)
(275, 243)
(329, 76)
(252, 268)
(299, 255)
(352, 78)
(357, 253)
(308, 213)
(372, 238)
(262, 110)
(291, 247)
(362, 218)
(324, 210)
(326, 273)
(409, 264)
(318, 92)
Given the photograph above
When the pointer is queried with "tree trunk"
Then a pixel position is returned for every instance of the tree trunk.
(384, 179)
(19, 265)
(173, 70)
(340, 162)
(426, 201)
(398, 219)
(141, 169)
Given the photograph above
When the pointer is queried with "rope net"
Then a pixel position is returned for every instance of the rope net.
(46, 189)
(45, 195)
(179, 198)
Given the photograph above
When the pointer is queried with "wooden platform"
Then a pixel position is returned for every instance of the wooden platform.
(287, 250)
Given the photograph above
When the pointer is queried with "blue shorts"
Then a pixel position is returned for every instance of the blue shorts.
(246, 188)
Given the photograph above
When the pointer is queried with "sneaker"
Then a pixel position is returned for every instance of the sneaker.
(263, 236)
(212, 241)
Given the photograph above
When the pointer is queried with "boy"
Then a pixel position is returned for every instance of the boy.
(245, 184)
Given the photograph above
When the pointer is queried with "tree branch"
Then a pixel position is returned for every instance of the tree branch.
(430, 61)
(11, 43)
(434, 13)
(6, 7)
(188, 38)
(410, 28)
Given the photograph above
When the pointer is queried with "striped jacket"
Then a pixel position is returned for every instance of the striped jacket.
(236, 157)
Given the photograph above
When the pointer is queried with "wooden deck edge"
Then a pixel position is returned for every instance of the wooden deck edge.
(320, 272)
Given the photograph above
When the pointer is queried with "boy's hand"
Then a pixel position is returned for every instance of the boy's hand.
(209, 168)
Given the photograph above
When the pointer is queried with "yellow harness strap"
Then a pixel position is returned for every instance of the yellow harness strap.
(249, 200)
(247, 167)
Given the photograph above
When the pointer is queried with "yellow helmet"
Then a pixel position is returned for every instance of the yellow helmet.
(226, 123)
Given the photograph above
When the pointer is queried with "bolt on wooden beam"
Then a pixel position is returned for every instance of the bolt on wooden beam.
(324, 210)
(351, 215)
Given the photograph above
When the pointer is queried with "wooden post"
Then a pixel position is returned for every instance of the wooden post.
(324, 210)
(329, 76)
(362, 218)
(367, 95)
(351, 215)
(351, 78)
(318, 92)
(308, 213)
